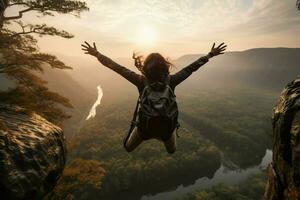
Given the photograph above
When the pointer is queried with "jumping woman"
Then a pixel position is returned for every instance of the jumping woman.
(156, 112)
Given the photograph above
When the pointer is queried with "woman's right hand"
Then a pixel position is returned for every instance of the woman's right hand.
(215, 51)
(88, 49)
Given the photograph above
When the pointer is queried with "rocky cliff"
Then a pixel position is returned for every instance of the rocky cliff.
(284, 171)
(32, 154)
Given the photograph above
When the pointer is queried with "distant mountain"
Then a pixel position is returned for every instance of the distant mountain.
(266, 68)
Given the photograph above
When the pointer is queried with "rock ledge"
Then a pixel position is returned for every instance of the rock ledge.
(284, 171)
(32, 154)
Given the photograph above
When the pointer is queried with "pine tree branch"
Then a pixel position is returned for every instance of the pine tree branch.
(46, 7)
(41, 29)
(19, 3)
(20, 14)
(32, 30)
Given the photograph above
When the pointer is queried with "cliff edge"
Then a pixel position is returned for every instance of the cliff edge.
(32, 154)
(284, 171)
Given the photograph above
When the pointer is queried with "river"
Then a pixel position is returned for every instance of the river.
(222, 175)
(93, 110)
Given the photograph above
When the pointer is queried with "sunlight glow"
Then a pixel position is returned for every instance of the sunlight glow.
(146, 36)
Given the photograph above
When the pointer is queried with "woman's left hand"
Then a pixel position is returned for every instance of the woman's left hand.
(218, 50)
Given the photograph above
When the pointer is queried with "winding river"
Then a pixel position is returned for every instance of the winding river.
(222, 175)
(93, 112)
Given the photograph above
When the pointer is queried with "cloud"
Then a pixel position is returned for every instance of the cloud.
(190, 24)
(194, 24)
(268, 17)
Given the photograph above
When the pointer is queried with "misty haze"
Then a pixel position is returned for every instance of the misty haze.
(65, 111)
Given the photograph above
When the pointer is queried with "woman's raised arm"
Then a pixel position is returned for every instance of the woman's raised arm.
(188, 70)
(131, 76)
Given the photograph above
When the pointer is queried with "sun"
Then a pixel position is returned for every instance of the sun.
(146, 36)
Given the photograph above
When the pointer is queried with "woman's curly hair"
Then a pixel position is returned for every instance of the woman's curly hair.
(138, 62)
(154, 60)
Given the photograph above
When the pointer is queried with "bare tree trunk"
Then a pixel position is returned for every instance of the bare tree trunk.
(3, 5)
(1, 20)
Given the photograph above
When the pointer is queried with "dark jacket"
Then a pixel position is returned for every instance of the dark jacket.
(159, 129)
(139, 80)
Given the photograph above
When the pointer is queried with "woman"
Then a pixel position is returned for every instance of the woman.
(154, 69)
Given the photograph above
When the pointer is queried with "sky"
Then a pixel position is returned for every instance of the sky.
(174, 27)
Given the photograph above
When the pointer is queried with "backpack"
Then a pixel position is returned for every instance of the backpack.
(156, 112)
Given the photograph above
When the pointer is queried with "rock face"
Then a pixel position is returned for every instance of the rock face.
(284, 172)
(32, 154)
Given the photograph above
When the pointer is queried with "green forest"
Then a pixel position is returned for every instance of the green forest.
(252, 188)
(224, 128)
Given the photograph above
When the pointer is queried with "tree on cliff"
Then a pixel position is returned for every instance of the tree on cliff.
(20, 58)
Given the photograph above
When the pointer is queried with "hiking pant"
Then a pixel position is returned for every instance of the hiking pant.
(135, 140)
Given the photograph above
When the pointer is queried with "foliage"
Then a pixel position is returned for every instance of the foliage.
(147, 167)
(20, 57)
(228, 124)
(252, 188)
(78, 175)
(233, 120)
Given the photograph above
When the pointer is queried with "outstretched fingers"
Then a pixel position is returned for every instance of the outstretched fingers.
(223, 48)
(220, 49)
(220, 45)
(87, 44)
(84, 47)
(213, 46)
(94, 44)
(88, 49)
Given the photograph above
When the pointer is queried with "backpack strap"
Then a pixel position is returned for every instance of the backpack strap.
(133, 122)
(146, 86)
(134, 119)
